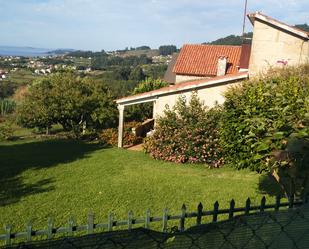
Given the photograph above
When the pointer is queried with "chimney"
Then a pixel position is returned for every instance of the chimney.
(222, 65)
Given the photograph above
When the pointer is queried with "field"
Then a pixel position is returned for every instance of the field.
(22, 77)
(60, 178)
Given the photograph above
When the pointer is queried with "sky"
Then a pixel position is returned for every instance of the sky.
(116, 24)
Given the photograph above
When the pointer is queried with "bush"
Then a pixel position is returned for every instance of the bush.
(261, 116)
(7, 106)
(6, 131)
(188, 133)
(110, 136)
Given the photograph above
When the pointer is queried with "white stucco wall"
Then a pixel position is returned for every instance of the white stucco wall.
(210, 96)
(270, 45)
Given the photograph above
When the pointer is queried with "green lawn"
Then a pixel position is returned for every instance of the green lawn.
(60, 178)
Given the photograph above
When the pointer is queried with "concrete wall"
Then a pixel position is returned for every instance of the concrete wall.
(183, 78)
(271, 45)
(210, 96)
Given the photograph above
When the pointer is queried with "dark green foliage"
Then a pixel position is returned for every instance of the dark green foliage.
(260, 117)
(7, 89)
(137, 74)
(7, 106)
(155, 71)
(6, 131)
(73, 102)
(304, 27)
(104, 61)
(232, 40)
(144, 111)
(187, 133)
(167, 49)
(148, 85)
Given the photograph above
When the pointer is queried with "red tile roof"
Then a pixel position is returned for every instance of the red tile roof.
(184, 86)
(202, 60)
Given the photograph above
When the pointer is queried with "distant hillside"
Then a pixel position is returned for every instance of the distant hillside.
(237, 40)
(304, 27)
(231, 40)
(61, 51)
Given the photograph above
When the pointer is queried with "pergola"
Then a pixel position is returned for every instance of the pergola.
(132, 100)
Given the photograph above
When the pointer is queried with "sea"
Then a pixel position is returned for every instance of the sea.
(24, 51)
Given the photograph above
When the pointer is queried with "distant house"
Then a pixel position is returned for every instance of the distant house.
(210, 70)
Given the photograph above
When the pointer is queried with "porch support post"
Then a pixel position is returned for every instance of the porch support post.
(120, 127)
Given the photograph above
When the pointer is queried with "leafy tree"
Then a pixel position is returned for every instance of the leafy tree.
(167, 49)
(73, 102)
(35, 109)
(144, 111)
(137, 74)
(148, 85)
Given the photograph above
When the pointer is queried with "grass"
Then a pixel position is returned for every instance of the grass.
(60, 178)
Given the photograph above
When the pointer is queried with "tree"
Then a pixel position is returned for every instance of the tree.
(167, 49)
(73, 102)
(144, 111)
(137, 74)
(35, 109)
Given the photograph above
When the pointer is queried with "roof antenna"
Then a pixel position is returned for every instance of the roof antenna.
(244, 23)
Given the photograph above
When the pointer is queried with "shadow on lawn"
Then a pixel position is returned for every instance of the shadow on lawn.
(17, 158)
(267, 185)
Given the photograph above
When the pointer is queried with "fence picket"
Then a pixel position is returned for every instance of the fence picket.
(70, 226)
(183, 217)
(8, 230)
(164, 220)
(110, 222)
(215, 214)
(50, 228)
(90, 224)
(263, 203)
(8, 236)
(291, 201)
(248, 205)
(29, 231)
(130, 218)
(199, 214)
(277, 205)
(231, 211)
(147, 219)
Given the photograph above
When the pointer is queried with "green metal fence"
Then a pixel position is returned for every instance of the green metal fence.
(252, 219)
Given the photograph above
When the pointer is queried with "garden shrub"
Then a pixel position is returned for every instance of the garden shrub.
(260, 116)
(187, 133)
(6, 131)
(110, 136)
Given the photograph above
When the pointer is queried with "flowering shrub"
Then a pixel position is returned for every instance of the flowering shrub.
(110, 136)
(188, 133)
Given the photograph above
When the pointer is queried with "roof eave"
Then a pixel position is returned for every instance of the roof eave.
(177, 88)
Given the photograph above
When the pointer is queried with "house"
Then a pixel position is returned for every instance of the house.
(276, 44)
(210, 70)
